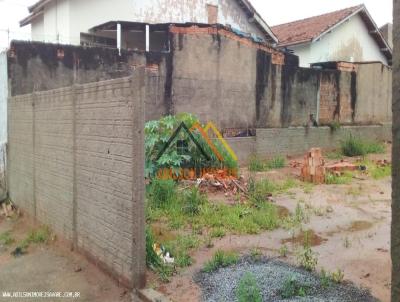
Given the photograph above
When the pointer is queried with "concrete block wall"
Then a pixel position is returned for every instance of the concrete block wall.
(76, 163)
(297, 140)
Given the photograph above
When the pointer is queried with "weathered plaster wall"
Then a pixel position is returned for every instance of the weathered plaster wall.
(36, 67)
(76, 163)
(374, 93)
(220, 77)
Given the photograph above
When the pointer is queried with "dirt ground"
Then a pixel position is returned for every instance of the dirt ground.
(52, 267)
(350, 227)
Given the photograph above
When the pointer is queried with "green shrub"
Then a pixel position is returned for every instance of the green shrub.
(292, 288)
(163, 193)
(248, 289)
(353, 146)
(220, 259)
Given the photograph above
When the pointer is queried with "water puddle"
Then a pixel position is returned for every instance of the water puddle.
(308, 237)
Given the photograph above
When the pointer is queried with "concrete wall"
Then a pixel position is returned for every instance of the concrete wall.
(219, 76)
(349, 42)
(292, 141)
(374, 93)
(75, 163)
(36, 67)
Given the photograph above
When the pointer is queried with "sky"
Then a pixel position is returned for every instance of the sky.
(273, 12)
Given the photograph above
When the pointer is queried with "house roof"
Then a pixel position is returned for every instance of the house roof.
(37, 9)
(311, 29)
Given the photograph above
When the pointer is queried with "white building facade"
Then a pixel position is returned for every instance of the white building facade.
(62, 21)
(352, 37)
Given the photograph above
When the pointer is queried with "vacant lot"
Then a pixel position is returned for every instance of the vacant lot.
(344, 225)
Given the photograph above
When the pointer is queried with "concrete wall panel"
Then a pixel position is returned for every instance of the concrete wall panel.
(76, 163)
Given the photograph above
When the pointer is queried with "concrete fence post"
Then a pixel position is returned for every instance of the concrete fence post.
(395, 233)
(137, 84)
(34, 199)
(74, 177)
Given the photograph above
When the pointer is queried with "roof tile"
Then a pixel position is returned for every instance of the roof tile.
(305, 30)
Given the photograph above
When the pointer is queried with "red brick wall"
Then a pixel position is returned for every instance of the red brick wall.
(278, 58)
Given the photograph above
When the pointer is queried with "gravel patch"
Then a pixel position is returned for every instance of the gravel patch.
(271, 274)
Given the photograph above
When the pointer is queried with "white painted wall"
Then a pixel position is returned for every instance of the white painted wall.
(350, 41)
(69, 18)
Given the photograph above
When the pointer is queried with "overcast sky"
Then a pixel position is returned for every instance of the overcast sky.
(274, 12)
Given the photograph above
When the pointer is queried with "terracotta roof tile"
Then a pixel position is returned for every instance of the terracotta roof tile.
(305, 30)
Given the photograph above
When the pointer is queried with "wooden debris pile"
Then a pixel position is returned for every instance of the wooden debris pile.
(220, 181)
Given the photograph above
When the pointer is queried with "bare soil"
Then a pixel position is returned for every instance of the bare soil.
(349, 228)
(52, 267)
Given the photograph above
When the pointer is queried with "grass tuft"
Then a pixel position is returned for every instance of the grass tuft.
(292, 288)
(355, 146)
(220, 259)
(248, 289)
(258, 165)
(6, 238)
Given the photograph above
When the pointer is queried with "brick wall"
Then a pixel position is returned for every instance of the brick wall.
(76, 164)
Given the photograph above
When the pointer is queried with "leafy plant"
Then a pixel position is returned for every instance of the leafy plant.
(220, 259)
(292, 288)
(325, 279)
(337, 276)
(307, 258)
(248, 289)
(158, 133)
